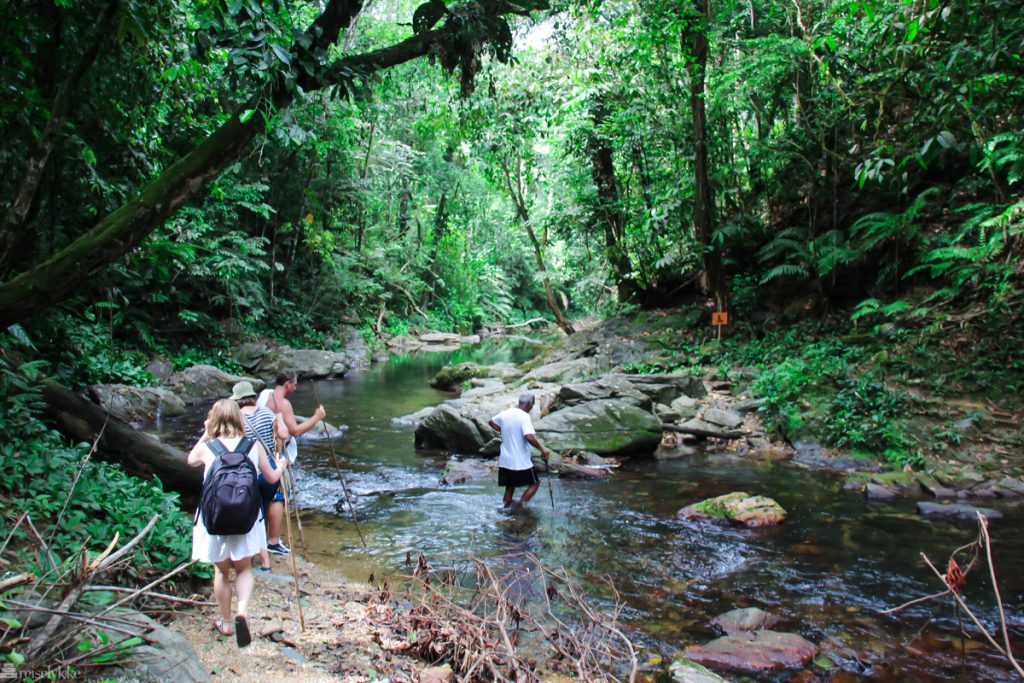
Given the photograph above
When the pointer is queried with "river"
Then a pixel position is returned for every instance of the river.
(827, 572)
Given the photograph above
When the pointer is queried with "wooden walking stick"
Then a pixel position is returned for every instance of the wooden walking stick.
(551, 492)
(341, 477)
(295, 570)
(298, 518)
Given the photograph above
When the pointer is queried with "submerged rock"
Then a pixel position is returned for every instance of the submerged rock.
(743, 620)
(450, 377)
(960, 510)
(685, 671)
(738, 508)
(463, 471)
(755, 652)
(605, 427)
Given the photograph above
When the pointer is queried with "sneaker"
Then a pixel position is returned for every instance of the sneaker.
(279, 548)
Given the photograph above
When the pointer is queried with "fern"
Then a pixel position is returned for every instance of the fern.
(784, 270)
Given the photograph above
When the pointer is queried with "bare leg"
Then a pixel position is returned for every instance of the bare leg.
(509, 492)
(243, 585)
(528, 493)
(264, 557)
(222, 588)
(275, 515)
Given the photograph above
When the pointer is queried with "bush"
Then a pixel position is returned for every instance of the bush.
(38, 472)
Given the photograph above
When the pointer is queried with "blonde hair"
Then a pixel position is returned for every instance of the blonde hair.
(225, 419)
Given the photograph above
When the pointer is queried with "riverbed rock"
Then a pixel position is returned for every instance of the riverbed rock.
(605, 427)
(959, 510)
(462, 471)
(204, 383)
(685, 407)
(446, 427)
(443, 338)
(667, 388)
(743, 620)
(726, 419)
(699, 427)
(930, 485)
(607, 387)
(875, 491)
(685, 671)
(131, 404)
(562, 371)
(737, 507)
(673, 447)
(568, 469)
(308, 363)
(754, 652)
(163, 657)
(451, 377)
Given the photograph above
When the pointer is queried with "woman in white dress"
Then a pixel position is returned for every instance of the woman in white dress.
(225, 423)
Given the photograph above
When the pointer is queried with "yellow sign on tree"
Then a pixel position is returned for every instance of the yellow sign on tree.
(309, 218)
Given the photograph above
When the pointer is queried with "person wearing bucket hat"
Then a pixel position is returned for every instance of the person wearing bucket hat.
(260, 424)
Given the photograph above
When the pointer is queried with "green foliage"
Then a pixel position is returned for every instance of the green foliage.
(73, 500)
(865, 414)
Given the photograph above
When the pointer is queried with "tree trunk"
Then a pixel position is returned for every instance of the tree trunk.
(514, 186)
(703, 203)
(140, 454)
(609, 212)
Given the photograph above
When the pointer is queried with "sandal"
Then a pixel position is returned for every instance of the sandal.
(242, 635)
(221, 627)
(265, 569)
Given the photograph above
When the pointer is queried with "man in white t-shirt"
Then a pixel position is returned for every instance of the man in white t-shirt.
(515, 464)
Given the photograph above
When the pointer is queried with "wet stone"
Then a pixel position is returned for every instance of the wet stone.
(960, 510)
(744, 619)
(755, 652)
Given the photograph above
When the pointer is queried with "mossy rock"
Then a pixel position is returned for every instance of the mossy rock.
(737, 508)
(451, 377)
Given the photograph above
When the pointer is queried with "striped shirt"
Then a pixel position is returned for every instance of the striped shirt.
(262, 421)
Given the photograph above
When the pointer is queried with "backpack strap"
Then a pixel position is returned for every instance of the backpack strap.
(269, 450)
(217, 447)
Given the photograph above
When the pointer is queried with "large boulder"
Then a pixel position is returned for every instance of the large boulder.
(446, 428)
(605, 427)
(204, 382)
(754, 652)
(562, 371)
(131, 404)
(738, 508)
(308, 363)
(451, 377)
(607, 387)
(667, 388)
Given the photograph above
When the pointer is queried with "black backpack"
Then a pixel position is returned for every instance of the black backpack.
(230, 500)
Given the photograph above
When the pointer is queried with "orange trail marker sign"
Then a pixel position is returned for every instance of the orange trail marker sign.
(719, 319)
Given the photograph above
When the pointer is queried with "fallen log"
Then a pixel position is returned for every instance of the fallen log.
(140, 454)
(706, 433)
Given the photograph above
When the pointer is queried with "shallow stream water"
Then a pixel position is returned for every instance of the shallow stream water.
(827, 572)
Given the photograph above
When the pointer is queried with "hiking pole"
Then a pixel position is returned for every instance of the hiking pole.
(298, 519)
(341, 477)
(295, 571)
(551, 492)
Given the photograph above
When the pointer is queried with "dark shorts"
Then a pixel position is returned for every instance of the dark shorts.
(507, 477)
(268, 493)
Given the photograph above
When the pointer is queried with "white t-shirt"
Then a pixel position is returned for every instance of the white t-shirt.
(515, 449)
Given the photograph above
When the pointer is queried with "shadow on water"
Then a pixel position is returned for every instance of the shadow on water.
(827, 572)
